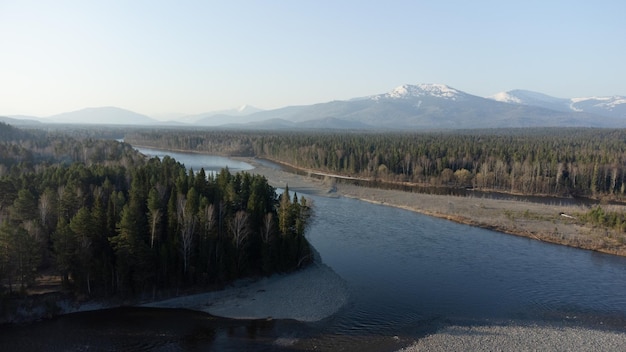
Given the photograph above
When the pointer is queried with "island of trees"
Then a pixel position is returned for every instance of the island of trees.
(113, 223)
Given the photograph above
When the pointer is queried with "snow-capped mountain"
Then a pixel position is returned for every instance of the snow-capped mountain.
(614, 106)
(247, 110)
(408, 91)
(526, 97)
(221, 117)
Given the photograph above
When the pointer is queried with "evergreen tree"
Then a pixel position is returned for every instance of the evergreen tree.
(82, 226)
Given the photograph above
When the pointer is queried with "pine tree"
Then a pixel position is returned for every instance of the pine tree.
(284, 212)
(82, 226)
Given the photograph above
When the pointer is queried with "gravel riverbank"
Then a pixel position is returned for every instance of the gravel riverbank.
(311, 294)
(519, 338)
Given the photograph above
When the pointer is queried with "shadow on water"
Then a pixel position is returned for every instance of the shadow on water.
(147, 329)
(155, 329)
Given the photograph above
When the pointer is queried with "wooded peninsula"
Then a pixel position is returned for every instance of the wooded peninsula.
(113, 223)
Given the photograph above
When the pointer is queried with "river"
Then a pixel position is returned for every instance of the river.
(408, 274)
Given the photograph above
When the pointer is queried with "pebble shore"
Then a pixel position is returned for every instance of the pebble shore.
(311, 294)
(519, 338)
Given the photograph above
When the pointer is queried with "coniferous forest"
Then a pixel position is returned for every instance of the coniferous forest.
(113, 223)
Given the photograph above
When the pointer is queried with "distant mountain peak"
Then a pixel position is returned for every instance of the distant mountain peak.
(614, 106)
(242, 108)
(526, 97)
(407, 91)
(110, 115)
(506, 97)
(247, 109)
(608, 103)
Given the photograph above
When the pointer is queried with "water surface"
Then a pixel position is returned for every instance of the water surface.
(196, 161)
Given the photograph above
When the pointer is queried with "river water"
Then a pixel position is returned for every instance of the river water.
(211, 163)
(408, 274)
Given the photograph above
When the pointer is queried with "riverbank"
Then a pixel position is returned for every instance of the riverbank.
(310, 294)
(518, 337)
(554, 223)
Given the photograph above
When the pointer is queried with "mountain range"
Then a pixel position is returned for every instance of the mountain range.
(408, 107)
(614, 106)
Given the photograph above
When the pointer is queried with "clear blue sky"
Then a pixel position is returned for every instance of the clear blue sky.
(157, 57)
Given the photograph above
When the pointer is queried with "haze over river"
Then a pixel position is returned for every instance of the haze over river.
(407, 275)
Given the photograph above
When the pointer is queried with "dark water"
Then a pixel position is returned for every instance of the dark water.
(403, 266)
(407, 274)
(144, 329)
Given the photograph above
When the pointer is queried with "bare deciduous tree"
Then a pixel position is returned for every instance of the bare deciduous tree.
(187, 228)
(268, 228)
(209, 213)
(155, 217)
(45, 207)
(239, 229)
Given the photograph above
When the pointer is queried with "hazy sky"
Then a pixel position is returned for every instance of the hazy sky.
(156, 57)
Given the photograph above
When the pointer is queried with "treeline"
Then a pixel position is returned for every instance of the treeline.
(552, 161)
(221, 142)
(113, 223)
(29, 151)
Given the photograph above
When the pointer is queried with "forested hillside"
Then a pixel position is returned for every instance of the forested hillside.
(112, 222)
(553, 161)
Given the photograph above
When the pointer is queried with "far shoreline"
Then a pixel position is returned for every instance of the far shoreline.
(555, 224)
